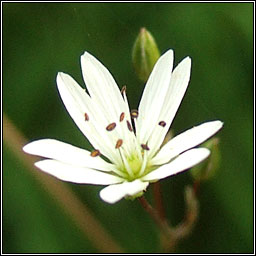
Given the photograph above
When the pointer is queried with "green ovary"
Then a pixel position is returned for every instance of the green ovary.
(135, 164)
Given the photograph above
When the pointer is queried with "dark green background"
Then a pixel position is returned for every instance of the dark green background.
(41, 39)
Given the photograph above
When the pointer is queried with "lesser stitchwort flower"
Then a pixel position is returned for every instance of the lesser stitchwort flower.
(130, 141)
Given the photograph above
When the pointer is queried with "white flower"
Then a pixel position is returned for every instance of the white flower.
(129, 140)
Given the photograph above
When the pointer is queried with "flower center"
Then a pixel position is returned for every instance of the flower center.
(135, 165)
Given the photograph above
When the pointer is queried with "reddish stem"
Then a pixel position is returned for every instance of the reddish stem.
(158, 200)
(196, 187)
(154, 214)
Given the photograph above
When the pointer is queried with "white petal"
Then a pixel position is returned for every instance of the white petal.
(108, 99)
(179, 164)
(76, 174)
(186, 140)
(114, 193)
(66, 153)
(77, 103)
(102, 87)
(171, 102)
(73, 97)
(152, 99)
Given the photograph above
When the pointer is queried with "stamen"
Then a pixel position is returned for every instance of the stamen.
(111, 127)
(86, 117)
(162, 123)
(129, 126)
(134, 113)
(123, 89)
(95, 153)
(144, 164)
(119, 143)
(145, 146)
(126, 164)
(121, 117)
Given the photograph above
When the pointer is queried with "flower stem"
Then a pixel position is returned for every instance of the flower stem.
(196, 186)
(191, 214)
(158, 200)
(172, 235)
(155, 215)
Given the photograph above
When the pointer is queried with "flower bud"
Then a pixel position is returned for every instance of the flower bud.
(145, 53)
(207, 169)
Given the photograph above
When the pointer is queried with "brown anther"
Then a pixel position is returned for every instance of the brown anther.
(95, 153)
(121, 117)
(129, 126)
(145, 146)
(119, 143)
(162, 123)
(111, 127)
(86, 117)
(123, 89)
(134, 113)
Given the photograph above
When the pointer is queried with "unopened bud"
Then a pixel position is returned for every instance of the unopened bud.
(207, 169)
(145, 53)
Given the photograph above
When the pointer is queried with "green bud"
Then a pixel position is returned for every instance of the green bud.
(145, 53)
(207, 169)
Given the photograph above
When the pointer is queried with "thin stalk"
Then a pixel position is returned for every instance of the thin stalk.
(163, 225)
(158, 200)
(172, 235)
(196, 186)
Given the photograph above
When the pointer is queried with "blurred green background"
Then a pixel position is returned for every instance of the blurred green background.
(41, 39)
